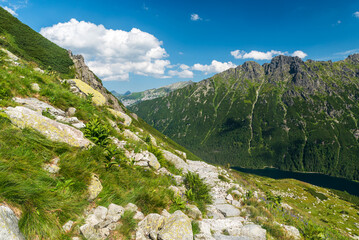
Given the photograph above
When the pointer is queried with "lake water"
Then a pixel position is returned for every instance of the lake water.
(317, 179)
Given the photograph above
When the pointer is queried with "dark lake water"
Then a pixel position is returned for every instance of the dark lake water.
(317, 179)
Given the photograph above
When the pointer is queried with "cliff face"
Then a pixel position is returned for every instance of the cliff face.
(288, 113)
(84, 73)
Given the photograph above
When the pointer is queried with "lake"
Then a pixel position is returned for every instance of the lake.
(317, 179)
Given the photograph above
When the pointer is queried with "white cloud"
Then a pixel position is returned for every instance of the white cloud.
(356, 14)
(299, 54)
(111, 54)
(182, 74)
(257, 55)
(195, 17)
(11, 11)
(215, 67)
(184, 67)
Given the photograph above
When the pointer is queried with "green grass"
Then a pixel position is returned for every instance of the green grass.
(32, 46)
(197, 191)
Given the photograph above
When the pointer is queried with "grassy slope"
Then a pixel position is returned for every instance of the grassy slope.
(30, 45)
(214, 119)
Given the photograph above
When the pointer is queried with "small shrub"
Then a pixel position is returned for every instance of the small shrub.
(197, 190)
(97, 132)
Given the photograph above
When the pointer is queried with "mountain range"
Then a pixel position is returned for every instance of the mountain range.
(129, 99)
(288, 114)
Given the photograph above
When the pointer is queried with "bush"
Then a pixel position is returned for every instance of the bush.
(97, 132)
(197, 190)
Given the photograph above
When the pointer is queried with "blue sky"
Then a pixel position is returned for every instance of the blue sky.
(137, 45)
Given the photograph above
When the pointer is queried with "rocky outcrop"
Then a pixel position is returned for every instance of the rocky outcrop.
(84, 73)
(23, 117)
(94, 188)
(9, 229)
(175, 160)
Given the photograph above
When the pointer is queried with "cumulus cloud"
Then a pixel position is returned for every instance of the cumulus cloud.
(356, 14)
(111, 54)
(215, 67)
(257, 55)
(181, 74)
(299, 54)
(195, 17)
(11, 11)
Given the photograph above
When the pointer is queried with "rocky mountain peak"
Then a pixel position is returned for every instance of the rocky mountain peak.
(354, 58)
(282, 63)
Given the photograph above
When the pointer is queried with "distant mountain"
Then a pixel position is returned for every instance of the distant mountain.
(290, 114)
(129, 99)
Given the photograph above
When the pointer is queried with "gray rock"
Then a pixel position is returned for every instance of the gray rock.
(253, 231)
(76, 238)
(35, 87)
(52, 167)
(138, 216)
(141, 163)
(100, 213)
(175, 190)
(90, 233)
(214, 213)
(163, 171)
(236, 192)
(229, 197)
(94, 188)
(202, 236)
(9, 228)
(79, 125)
(228, 210)
(152, 161)
(179, 179)
(131, 207)
(175, 160)
(178, 226)
(71, 112)
(193, 212)
(24, 117)
(128, 134)
(229, 225)
(226, 237)
(151, 223)
(292, 232)
(165, 213)
(67, 226)
(236, 203)
(102, 224)
(39, 70)
(115, 212)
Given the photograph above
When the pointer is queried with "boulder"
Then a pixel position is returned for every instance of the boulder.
(67, 226)
(130, 135)
(193, 212)
(100, 213)
(253, 231)
(90, 233)
(226, 237)
(115, 212)
(228, 225)
(152, 223)
(71, 112)
(127, 119)
(228, 210)
(292, 232)
(52, 167)
(131, 207)
(176, 160)
(94, 188)
(97, 99)
(139, 216)
(178, 226)
(24, 117)
(9, 228)
(202, 236)
(152, 161)
(39, 106)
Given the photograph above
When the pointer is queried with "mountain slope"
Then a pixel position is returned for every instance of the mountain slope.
(24, 42)
(136, 97)
(290, 114)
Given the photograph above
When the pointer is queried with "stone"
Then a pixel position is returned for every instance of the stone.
(118, 143)
(104, 232)
(9, 228)
(131, 207)
(202, 236)
(130, 135)
(76, 238)
(67, 226)
(95, 187)
(23, 117)
(183, 154)
(253, 231)
(236, 203)
(236, 193)
(214, 213)
(79, 125)
(98, 99)
(142, 163)
(179, 179)
(102, 224)
(229, 197)
(39, 70)
(127, 119)
(92, 220)
(52, 167)
(163, 171)
(100, 213)
(204, 228)
(153, 162)
(175, 190)
(228, 210)
(71, 112)
(115, 212)
(175, 160)
(139, 216)
(151, 223)
(39, 106)
(89, 232)
(193, 212)
(35, 87)
(292, 232)
(178, 226)
(226, 237)
(229, 225)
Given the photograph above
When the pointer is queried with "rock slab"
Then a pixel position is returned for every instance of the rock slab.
(9, 228)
